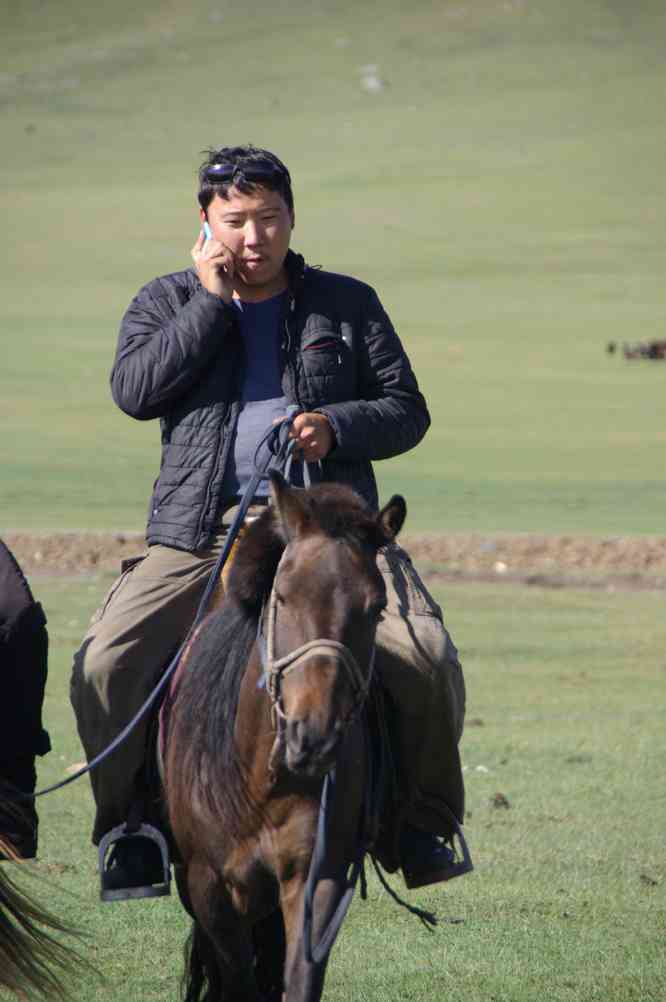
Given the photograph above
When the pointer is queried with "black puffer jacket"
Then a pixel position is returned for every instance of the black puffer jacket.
(180, 358)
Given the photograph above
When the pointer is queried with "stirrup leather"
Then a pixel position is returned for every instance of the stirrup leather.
(459, 863)
(464, 864)
(119, 834)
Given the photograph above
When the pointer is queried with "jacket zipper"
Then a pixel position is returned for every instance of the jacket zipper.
(288, 352)
(229, 422)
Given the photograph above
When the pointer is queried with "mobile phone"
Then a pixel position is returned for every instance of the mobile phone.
(207, 231)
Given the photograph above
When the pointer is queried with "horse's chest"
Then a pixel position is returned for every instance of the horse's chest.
(251, 882)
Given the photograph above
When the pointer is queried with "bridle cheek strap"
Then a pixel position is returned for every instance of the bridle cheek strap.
(275, 669)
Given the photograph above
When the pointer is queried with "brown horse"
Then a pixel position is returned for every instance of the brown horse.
(268, 703)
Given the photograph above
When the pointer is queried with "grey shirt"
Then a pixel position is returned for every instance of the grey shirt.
(262, 399)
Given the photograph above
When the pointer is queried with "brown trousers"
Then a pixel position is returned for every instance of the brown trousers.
(150, 608)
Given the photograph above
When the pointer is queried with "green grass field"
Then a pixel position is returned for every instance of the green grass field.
(565, 719)
(503, 191)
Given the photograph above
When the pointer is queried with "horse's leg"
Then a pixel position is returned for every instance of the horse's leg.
(180, 876)
(201, 982)
(268, 936)
(220, 956)
(304, 981)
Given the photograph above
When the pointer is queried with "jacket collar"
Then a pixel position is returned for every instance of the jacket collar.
(295, 266)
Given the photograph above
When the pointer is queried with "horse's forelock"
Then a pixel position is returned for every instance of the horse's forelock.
(333, 509)
(337, 511)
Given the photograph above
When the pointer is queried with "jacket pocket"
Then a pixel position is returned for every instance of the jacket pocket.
(127, 567)
(328, 367)
(325, 344)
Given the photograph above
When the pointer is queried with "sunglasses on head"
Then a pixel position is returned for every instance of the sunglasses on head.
(256, 170)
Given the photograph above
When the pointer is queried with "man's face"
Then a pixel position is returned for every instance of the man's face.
(257, 229)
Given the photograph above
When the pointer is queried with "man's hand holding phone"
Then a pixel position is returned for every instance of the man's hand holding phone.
(215, 265)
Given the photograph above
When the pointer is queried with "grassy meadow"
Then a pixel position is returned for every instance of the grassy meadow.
(493, 167)
(565, 719)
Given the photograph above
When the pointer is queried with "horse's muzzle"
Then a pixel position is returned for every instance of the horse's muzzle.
(308, 752)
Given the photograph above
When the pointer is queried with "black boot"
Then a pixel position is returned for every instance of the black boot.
(137, 865)
(18, 817)
(427, 859)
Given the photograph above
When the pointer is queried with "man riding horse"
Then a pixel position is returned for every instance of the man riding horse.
(217, 352)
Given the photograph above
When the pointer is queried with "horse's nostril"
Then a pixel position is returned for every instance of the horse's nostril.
(294, 731)
(309, 750)
(301, 739)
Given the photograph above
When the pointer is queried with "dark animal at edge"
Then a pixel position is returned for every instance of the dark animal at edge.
(655, 350)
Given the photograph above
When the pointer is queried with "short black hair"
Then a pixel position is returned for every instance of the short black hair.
(242, 156)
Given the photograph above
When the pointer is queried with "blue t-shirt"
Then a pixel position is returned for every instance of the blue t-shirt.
(262, 399)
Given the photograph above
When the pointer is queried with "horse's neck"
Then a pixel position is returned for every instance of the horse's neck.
(254, 732)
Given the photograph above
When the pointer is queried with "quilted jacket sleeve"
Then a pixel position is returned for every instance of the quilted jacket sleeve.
(164, 346)
(391, 416)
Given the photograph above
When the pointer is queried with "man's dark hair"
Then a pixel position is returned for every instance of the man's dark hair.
(243, 157)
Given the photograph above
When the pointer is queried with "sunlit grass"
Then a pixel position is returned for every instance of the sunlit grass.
(502, 191)
(565, 719)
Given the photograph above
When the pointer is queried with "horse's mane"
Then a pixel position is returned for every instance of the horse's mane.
(208, 696)
(206, 705)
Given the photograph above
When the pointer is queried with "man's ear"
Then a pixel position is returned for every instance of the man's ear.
(292, 514)
(392, 516)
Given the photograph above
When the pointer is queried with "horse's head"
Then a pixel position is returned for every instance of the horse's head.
(328, 596)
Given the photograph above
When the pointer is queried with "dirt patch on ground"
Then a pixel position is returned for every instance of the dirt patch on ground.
(73, 552)
(630, 562)
(551, 561)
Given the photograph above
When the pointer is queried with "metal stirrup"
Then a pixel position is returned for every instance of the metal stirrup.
(121, 833)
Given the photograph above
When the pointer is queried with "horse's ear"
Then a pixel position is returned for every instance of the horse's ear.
(292, 513)
(392, 516)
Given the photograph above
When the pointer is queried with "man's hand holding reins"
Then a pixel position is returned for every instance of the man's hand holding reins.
(313, 434)
(216, 266)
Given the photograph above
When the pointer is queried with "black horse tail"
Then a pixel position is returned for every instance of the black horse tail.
(32, 961)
